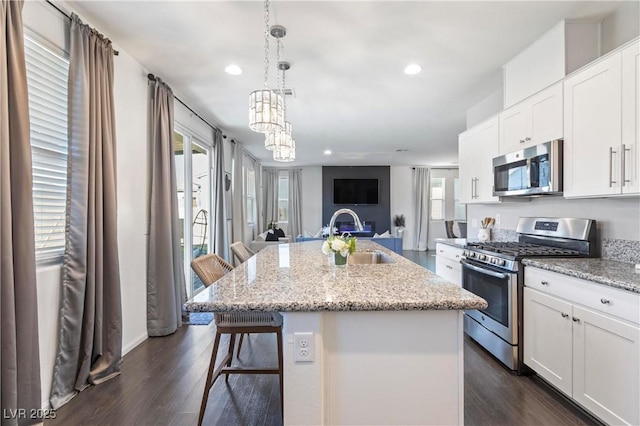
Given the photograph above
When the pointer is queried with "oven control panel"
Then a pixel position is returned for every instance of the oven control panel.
(546, 226)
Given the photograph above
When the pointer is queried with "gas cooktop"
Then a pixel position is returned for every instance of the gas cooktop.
(518, 250)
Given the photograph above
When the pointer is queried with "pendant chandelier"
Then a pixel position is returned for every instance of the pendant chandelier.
(266, 106)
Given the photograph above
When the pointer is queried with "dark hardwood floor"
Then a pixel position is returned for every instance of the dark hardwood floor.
(162, 382)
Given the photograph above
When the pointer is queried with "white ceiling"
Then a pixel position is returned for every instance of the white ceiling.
(347, 62)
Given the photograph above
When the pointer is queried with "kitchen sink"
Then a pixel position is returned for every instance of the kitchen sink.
(369, 258)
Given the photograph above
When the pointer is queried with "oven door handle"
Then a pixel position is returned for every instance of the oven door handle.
(483, 271)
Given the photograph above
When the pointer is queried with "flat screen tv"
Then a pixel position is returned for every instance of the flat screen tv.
(355, 191)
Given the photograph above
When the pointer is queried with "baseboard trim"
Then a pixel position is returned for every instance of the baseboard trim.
(135, 342)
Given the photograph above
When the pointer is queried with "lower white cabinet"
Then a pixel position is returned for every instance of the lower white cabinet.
(591, 356)
(448, 263)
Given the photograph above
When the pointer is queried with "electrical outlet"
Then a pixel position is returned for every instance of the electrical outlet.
(497, 219)
(303, 347)
(474, 223)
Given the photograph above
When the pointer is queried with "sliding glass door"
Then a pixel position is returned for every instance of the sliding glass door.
(193, 176)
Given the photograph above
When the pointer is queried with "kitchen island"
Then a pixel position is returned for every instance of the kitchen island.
(387, 338)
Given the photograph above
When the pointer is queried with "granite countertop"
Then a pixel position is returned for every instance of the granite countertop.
(608, 272)
(455, 242)
(298, 277)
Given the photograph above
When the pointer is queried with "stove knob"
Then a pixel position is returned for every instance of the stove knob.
(501, 262)
(472, 254)
(465, 253)
(494, 261)
(482, 257)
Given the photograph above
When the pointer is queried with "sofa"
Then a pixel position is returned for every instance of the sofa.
(269, 238)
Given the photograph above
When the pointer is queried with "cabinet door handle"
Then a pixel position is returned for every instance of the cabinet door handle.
(611, 152)
(605, 301)
(521, 140)
(544, 282)
(576, 319)
(564, 315)
(527, 139)
(624, 166)
(441, 251)
(448, 267)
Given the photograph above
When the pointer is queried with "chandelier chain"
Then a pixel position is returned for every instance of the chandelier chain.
(284, 86)
(266, 44)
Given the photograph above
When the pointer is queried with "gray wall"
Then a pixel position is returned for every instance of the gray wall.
(621, 26)
(380, 214)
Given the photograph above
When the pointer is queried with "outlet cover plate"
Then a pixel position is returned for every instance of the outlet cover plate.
(303, 347)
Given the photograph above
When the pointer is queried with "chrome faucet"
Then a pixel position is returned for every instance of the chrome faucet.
(353, 214)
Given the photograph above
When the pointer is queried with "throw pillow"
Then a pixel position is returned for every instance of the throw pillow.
(271, 236)
(279, 233)
(318, 234)
(385, 234)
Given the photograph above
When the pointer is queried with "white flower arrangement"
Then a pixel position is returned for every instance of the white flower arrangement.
(339, 244)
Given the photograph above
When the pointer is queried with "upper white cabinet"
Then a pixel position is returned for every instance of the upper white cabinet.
(533, 121)
(563, 49)
(600, 105)
(630, 180)
(476, 149)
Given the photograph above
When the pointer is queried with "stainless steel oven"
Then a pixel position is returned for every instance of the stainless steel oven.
(499, 288)
(493, 270)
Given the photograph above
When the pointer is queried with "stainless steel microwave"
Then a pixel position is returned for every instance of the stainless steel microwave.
(536, 170)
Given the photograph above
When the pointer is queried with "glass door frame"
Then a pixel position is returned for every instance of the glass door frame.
(189, 140)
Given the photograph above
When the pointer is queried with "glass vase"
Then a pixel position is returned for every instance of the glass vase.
(340, 260)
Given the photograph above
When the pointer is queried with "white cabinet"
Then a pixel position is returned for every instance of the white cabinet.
(584, 339)
(560, 51)
(476, 149)
(448, 263)
(630, 180)
(600, 106)
(536, 120)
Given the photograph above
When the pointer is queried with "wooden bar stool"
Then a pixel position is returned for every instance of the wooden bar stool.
(209, 269)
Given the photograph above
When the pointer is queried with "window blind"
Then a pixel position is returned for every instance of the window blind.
(47, 76)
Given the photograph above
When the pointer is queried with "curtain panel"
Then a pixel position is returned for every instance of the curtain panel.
(90, 341)
(237, 191)
(19, 351)
(421, 196)
(219, 217)
(270, 179)
(295, 203)
(166, 287)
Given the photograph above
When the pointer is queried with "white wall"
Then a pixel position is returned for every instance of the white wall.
(621, 26)
(130, 93)
(402, 201)
(617, 218)
(311, 199)
(491, 105)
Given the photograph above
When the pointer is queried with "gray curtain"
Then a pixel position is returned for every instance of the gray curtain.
(258, 186)
(90, 341)
(421, 197)
(295, 203)
(219, 219)
(239, 216)
(270, 179)
(19, 354)
(166, 288)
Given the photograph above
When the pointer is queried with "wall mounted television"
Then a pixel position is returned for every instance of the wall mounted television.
(355, 191)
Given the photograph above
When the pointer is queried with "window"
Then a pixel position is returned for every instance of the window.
(47, 74)
(250, 185)
(437, 198)
(460, 210)
(283, 197)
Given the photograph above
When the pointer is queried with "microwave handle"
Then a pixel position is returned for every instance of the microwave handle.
(483, 271)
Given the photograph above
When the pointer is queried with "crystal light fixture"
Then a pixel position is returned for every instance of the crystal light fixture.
(285, 154)
(266, 106)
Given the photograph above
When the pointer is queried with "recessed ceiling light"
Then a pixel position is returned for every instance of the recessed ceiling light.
(233, 69)
(412, 69)
(327, 152)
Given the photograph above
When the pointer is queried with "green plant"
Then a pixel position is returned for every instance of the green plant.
(398, 220)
